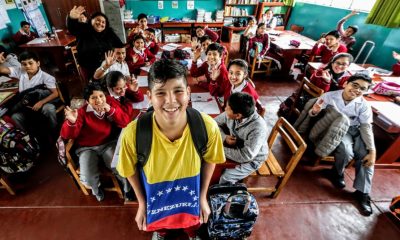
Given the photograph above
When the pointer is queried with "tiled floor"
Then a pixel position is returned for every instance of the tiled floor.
(48, 205)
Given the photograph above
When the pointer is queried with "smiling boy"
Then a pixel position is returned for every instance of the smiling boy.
(172, 185)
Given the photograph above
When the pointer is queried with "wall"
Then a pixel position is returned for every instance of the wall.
(16, 16)
(318, 19)
(149, 7)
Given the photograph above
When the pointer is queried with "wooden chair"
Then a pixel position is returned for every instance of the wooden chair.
(306, 89)
(74, 54)
(259, 65)
(4, 184)
(74, 169)
(272, 166)
(296, 28)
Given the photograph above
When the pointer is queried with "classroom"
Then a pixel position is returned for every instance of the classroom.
(208, 119)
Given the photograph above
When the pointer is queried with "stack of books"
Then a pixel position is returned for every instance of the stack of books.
(207, 17)
(219, 16)
(200, 15)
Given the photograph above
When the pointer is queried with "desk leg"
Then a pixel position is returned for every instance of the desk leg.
(230, 35)
(392, 153)
(288, 59)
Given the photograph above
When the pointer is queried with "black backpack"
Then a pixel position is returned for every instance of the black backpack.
(144, 133)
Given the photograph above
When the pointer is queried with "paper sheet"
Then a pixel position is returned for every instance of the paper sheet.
(37, 41)
(143, 81)
(204, 102)
(4, 79)
(147, 69)
(143, 104)
(391, 79)
(388, 110)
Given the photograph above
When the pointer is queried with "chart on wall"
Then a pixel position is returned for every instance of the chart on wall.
(34, 16)
(4, 19)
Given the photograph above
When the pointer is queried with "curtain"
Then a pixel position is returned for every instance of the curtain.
(385, 13)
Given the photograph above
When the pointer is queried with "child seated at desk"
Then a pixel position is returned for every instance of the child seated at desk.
(261, 38)
(113, 61)
(213, 69)
(331, 46)
(202, 31)
(37, 92)
(244, 133)
(24, 34)
(138, 55)
(140, 28)
(347, 36)
(94, 128)
(151, 40)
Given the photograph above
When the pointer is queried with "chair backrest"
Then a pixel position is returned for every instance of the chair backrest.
(307, 91)
(296, 28)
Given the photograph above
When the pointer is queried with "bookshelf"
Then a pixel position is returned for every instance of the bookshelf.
(281, 11)
(240, 8)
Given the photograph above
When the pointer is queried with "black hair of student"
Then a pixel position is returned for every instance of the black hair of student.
(96, 14)
(251, 18)
(334, 33)
(201, 27)
(135, 38)
(242, 103)
(151, 30)
(111, 79)
(337, 56)
(269, 9)
(28, 55)
(23, 23)
(3, 50)
(360, 76)
(166, 69)
(90, 88)
(205, 38)
(241, 63)
(215, 47)
(260, 25)
(141, 16)
(355, 29)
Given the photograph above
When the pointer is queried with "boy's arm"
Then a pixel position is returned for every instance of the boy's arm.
(141, 213)
(206, 173)
(341, 22)
(222, 123)
(5, 70)
(40, 103)
(367, 136)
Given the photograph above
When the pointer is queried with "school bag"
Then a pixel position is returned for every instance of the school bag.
(18, 150)
(144, 132)
(234, 211)
(395, 206)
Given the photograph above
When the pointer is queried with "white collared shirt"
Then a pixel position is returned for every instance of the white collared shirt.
(117, 66)
(239, 88)
(91, 109)
(39, 78)
(358, 110)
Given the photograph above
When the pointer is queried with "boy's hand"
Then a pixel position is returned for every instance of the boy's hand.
(326, 75)
(76, 12)
(37, 106)
(369, 159)
(110, 58)
(396, 56)
(2, 58)
(321, 40)
(197, 54)
(135, 58)
(71, 115)
(317, 106)
(141, 217)
(204, 210)
(335, 47)
(230, 140)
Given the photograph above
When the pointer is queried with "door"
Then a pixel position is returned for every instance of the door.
(57, 11)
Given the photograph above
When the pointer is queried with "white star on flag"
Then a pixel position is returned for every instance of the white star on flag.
(168, 190)
(177, 188)
(160, 193)
(191, 193)
(185, 188)
(195, 198)
(152, 199)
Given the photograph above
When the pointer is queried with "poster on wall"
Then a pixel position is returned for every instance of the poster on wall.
(3, 16)
(190, 5)
(160, 4)
(175, 4)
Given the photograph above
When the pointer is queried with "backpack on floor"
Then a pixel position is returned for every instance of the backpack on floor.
(144, 132)
(18, 150)
(234, 211)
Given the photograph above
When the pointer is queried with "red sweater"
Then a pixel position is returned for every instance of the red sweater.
(90, 130)
(20, 38)
(325, 53)
(147, 56)
(153, 47)
(247, 89)
(396, 69)
(217, 87)
(318, 81)
(213, 35)
(125, 104)
(263, 39)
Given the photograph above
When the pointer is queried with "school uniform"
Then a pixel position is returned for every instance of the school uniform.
(358, 139)
(347, 41)
(213, 35)
(143, 56)
(153, 47)
(125, 103)
(396, 69)
(336, 83)
(270, 23)
(216, 87)
(263, 39)
(11, 61)
(118, 66)
(22, 37)
(243, 87)
(326, 53)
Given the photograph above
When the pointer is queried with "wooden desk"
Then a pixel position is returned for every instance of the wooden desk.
(53, 48)
(232, 29)
(281, 42)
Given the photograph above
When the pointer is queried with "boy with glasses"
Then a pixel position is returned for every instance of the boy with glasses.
(358, 142)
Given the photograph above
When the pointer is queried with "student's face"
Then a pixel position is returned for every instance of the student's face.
(139, 44)
(149, 35)
(99, 23)
(170, 101)
(199, 32)
(330, 40)
(120, 88)
(252, 22)
(229, 113)
(143, 23)
(354, 89)
(213, 58)
(269, 14)
(30, 66)
(26, 28)
(120, 53)
(236, 75)
(340, 65)
(348, 32)
(261, 30)
(205, 44)
(97, 99)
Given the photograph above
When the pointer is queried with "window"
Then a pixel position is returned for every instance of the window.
(359, 5)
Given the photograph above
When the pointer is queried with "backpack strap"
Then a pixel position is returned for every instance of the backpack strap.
(144, 134)
(144, 137)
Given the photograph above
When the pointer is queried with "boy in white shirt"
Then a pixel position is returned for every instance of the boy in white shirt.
(113, 61)
(358, 142)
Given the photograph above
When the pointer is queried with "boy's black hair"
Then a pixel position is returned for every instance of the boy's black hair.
(165, 69)
(205, 38)
(239, 62)
(242, 103)
(334, 33)
(354, 27)
(251, 18)
(151, 30)
(96, 14)
(111, 78)
(136, 37)
(28, 55)
(23, 23)
(269, 9)
(4, 50)
(260, 25)
(90, 88)
(142, 15)
(337, 56)
(215, 47)
(201, 27)
(360, 76)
